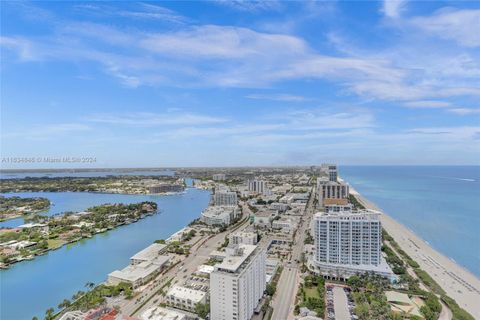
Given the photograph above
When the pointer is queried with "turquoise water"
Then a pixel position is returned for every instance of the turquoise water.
(441, 204)
(29, 288)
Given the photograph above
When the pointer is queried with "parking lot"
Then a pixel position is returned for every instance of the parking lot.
(339, 303)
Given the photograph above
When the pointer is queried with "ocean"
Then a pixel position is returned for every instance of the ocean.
(441, 204)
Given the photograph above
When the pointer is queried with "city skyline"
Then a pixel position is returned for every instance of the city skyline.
(237, 83)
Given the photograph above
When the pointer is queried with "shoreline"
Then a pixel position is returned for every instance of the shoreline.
(458, 282)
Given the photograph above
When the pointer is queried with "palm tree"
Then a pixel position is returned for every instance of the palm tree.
(49, 314)
(64, 304)
(90, 285)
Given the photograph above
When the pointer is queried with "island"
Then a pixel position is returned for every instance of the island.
(44, 233)
(14, 207)
(124, 184)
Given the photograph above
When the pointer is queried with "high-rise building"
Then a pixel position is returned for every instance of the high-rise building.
(257, 186)
(332, 173)
(225, 198)
(327, 189)
(348, 242)
(219, 177)
(238, 283)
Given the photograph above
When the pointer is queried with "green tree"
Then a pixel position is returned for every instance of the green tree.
(202, 309)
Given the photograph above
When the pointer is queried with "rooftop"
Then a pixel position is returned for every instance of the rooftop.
(141, 270)
(236, 256)
(159, 313)
(149, 252)
(186, 293)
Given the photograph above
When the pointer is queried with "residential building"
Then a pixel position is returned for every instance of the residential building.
(243, 238)
(347, 243)
(140, 273)
(224, 198)
(204, 270)
(327, 189)
(219, 177)
(219, 215)
(159, 313)
(336, 205)
(258, 187)
(149, 253)
(238, 283)
(280, 207)
(287, 225)
(185, 298)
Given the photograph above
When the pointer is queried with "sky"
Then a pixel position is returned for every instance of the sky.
(239, 83)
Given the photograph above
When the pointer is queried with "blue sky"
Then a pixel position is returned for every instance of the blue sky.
(137, 84)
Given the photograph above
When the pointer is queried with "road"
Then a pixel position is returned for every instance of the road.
(284, 305)
(200, 253)
(284, 301)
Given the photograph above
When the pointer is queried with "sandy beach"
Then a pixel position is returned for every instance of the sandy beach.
(459, 283)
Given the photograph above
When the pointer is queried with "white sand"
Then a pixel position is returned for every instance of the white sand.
(459, 283)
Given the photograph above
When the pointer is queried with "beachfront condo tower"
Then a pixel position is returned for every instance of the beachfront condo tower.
(348, 242)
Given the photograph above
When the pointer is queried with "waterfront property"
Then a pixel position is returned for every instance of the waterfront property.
(144, 266)
(224, 198)
(219, 215)
(347, 243)
(112, 250)
(237, 283)
(53, 232)
(13, 207)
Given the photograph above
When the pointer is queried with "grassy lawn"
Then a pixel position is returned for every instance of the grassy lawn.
(311, 292)
(54, 243)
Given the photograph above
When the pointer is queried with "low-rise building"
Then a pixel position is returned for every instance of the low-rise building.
(149, 253)
(280, 207)
(219, 215)
(287, 225)
(140, 273)
(243, 238)
(204, 270)
(159, 313)
(185, 298)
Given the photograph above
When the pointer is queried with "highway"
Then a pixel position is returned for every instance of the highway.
(284, 300)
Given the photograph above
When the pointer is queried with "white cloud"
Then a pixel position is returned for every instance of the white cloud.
(145, 119)
(278, 97)
(45, 132)
(454, 24)
(251, 5)
(464, 111)
(393, 8)
(228, 56)
(427, 104)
